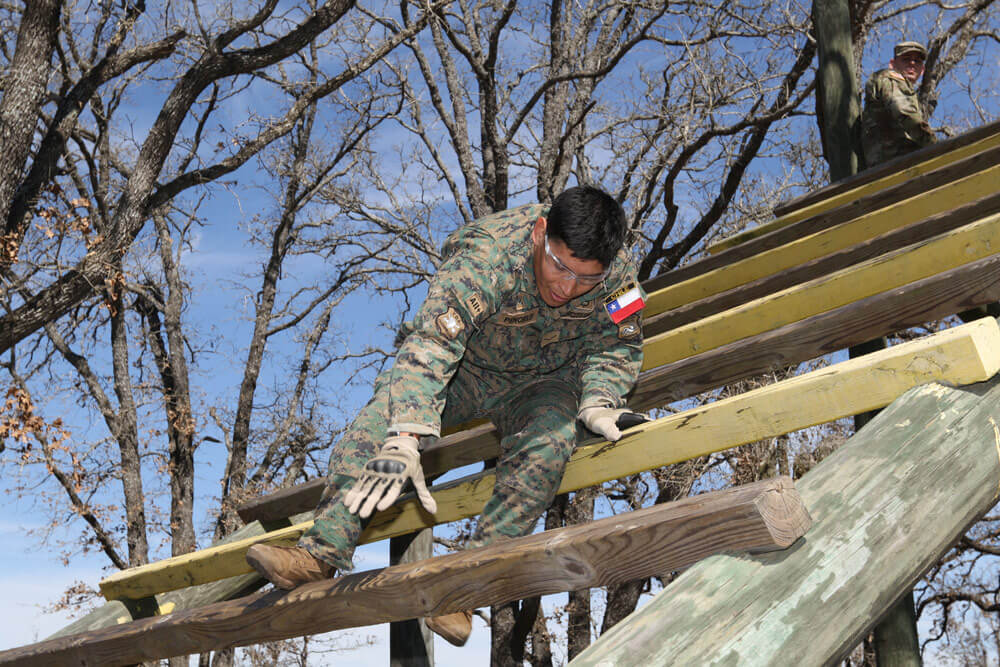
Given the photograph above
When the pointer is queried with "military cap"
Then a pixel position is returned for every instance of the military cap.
(906, 47)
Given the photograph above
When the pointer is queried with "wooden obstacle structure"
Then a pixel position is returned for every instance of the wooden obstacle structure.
(904, 244)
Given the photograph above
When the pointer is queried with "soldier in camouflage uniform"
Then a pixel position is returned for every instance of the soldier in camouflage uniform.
(892, 122)
(515, 329)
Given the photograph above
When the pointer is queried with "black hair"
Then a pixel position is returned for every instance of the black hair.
(589, 221)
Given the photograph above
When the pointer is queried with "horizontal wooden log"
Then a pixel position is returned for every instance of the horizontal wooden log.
(887, 272)
(117, 612)
(915, 304)
(969, 353)
(939, 296)
(887, 505)
(842, 227)
(755, 518)
(894, 240)
(909, 165)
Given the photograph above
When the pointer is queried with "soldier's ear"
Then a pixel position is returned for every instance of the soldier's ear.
(538, 231)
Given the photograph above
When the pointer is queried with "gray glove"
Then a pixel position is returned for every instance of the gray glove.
(384, 476)
(609, 421)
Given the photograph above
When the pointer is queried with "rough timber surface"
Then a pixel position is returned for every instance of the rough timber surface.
(962, 355)
(759, 517)
(820, 235)
(901, 168)
(892, 241)
(890, 271)
(872, 181)
(887, 505)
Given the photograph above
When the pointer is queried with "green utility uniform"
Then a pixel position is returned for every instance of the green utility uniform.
(892, 122)
(485, 345)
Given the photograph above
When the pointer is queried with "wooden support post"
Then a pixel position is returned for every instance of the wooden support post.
(964, 354)
(757, 518)
(887, 505)
(411, 643)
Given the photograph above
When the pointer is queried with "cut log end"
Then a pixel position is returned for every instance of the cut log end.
(783, 512)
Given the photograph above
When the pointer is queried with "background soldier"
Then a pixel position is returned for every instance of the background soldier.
(532, 321)
(892, 122)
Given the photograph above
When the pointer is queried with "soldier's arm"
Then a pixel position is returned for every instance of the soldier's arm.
(906, 112)
(611, 362)
(458, 300)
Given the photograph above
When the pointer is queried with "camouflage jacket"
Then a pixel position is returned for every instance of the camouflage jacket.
(483, 308)
(892, 123)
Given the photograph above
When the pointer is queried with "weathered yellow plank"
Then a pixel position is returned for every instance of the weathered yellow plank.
(962, 355)
(823, 243)
(863, 190)
(896, 269)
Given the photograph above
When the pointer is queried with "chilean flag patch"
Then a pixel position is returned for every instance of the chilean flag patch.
(624, 302)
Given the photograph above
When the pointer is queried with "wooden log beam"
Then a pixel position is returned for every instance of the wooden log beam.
(822, 234)
(117, 612)
(965, 354)
(944, 294)
(887, 272)
(901, 168)
(755, 518)
(872, 181)
(887, 505)
(894, 240)
(939, 296)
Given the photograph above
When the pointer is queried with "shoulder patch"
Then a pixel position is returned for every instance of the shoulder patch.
(630, 329)
(895, 75)
(624, 302)
(450, 324)
(475, 306)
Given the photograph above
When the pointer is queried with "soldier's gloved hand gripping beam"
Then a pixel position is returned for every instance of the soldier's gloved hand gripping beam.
(397, 462)
(609, 421)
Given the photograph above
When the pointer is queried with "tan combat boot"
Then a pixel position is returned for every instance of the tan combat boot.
(455, 628)
(288, 567)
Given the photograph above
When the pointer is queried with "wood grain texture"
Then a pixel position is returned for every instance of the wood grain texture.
(967, 183)
(841, 259)
(754, 518)
(905, 164)
(965, 354)
(939, 296)
(870, 182)
(886, 272)
(887, 505)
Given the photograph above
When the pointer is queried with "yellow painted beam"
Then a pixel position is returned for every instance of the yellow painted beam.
(881, 274)
(825, 242)
(962, 355)
(853, 194)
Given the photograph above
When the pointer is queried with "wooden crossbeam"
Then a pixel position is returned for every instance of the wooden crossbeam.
(870, 182)
(885, 211)
(903, 165)
(914, 304)
(893, 270)
(757, 518)
(887, 505)
(965, 354)
(917, 303)
(880, 245)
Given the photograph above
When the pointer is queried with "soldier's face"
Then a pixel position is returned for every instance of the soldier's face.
(910, 65)
(555, 284)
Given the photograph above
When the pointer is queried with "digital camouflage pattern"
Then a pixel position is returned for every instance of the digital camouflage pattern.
(485, 345)
(892, 122)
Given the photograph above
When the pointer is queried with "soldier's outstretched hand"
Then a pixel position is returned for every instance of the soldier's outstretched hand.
(385, 475)
(609, 421)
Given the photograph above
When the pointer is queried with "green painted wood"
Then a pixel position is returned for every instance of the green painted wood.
(886, 506)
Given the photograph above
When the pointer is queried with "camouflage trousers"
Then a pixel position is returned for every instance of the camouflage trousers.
(536, 418)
